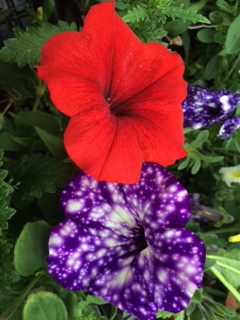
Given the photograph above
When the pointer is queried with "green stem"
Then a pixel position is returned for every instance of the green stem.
(225, 283)
(232, 69)
(21, 298)
(232, 230)
(83, 296)
(40, 92)
(220, 150)
(228, 267)
(236, 8)
(10, 102)
(36, 102)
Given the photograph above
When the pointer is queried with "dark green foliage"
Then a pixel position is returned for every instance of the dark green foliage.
(38, 174)
(26, 47)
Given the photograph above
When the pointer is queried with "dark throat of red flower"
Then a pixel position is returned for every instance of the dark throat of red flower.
(116, 108)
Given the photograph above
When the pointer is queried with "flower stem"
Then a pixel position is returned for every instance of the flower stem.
(40, 92)
(220, 150)
(21, 298)
(222, 231)
(232, 69)
(225, 283)
(10, 102)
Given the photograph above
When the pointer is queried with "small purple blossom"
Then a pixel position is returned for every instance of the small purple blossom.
(127, 243)
(204, 107)
(229, 126)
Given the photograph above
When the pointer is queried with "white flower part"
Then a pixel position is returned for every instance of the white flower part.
(230, 174)
(224, 101)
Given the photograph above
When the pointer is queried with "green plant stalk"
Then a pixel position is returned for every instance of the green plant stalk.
(225, 283)
(21, 298)
(228, 267)
(236, 8)
(232, 69)
(36, 102)
(7, 107)
(40, 92)
(220, 150)
(223, 264)
(222, 231)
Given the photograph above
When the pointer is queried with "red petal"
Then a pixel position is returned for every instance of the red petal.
(104, 146)
(71, 72)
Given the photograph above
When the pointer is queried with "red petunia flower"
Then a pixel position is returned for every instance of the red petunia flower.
(124, 97)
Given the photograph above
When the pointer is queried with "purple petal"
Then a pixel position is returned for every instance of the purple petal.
(229, 126)
(125, 243)
(204, 107)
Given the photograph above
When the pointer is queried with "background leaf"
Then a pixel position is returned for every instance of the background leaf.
(31, 248)
(26, 47)
(44, 305)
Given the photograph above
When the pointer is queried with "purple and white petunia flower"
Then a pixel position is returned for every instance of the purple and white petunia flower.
(127, 243)
(204, 107)
(229, 126)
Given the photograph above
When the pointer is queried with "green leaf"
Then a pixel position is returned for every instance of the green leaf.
(42, 120)
(197, 314)
(216, 17)
(95, 300)
(167, 315)
(190, 308)
(24, 142)
(184, 164)
(38, 174)
(184, 14)
(5, 190)
(48, 7)
(224, 6)
(196, 166)
(70, 300)
(233, 37)
(206, 35)
(176, 27)
(135, 14)
(197, 297)
(164, 314)
(211, 68)
(197, 5)
(228, 261)
(201, 138)
(53, 143)
(208, 264)
(11, 143)
(26, 47)
(113, 313)
(44, 306)
(8, 275)
(31, 248)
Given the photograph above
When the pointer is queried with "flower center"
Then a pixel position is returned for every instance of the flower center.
(115, 108)
(141, 241)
